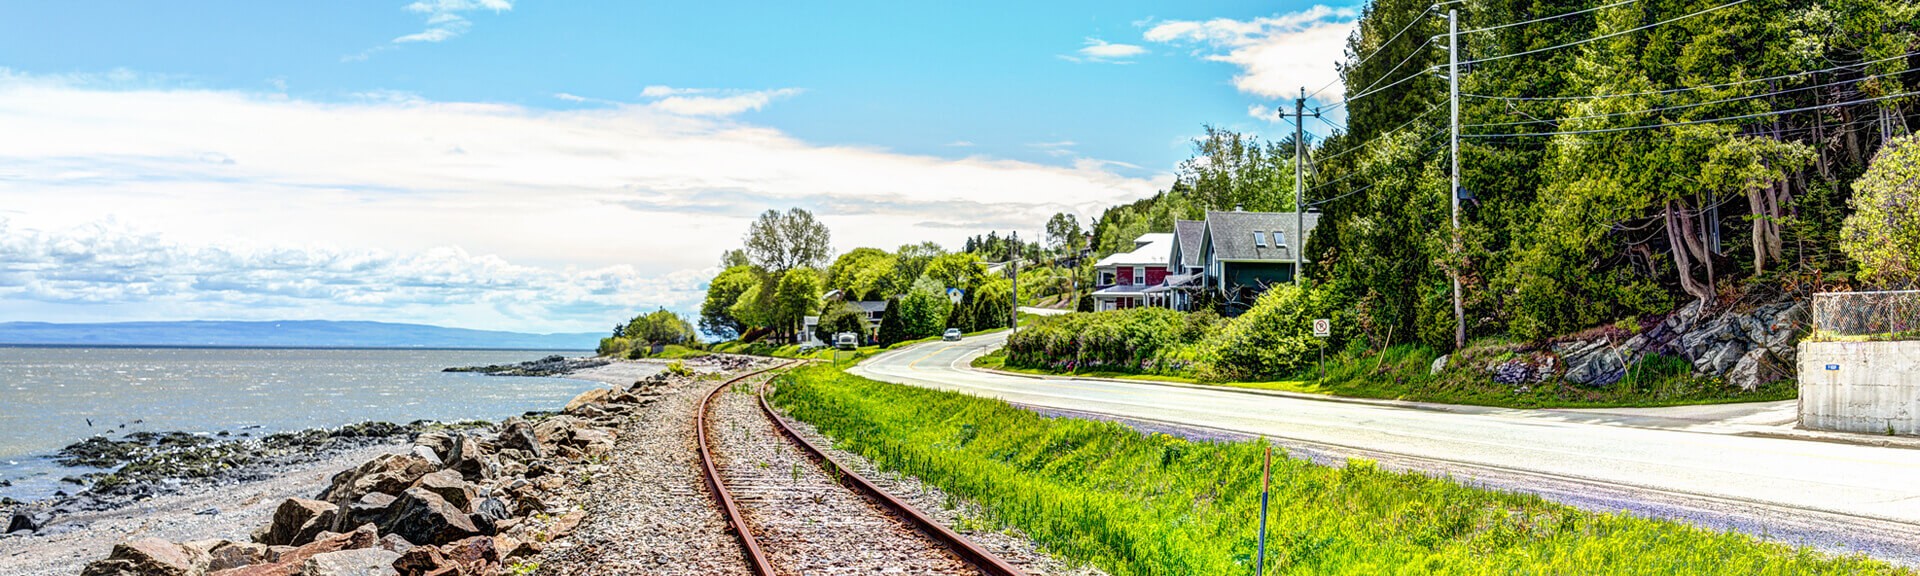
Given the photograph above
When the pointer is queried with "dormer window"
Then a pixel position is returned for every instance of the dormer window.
(1259, 239)
(1279, 238)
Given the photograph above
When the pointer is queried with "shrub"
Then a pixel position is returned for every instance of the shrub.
(1132, 340)
(1883, 233)
(1271, 339)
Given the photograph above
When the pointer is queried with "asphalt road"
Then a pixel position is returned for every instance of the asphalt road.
(1830, 495)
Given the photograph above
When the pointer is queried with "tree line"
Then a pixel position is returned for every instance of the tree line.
(1617, 161)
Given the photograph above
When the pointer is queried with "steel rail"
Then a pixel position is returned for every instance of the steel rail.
(736, 521)
(986, 561)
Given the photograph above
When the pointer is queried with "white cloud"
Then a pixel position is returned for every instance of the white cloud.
(1097, 50)
(444, 22)
(1277, 55)
(707, 102)
(271, 195)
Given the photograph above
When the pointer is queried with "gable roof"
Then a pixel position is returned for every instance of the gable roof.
(1154, 249)
(1231, 234)
(1189, 234)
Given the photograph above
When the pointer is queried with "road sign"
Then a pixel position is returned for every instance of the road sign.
(1322, 328)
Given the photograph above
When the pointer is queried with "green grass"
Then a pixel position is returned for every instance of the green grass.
(1401, 373)
(1135, 504)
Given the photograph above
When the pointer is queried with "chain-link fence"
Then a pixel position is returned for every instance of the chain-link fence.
(1846, 316)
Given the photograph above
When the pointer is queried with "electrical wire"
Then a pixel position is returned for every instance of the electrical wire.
(1678, 90)
(1383, 46)
(1606, 36)
(1692, 122)
(1685, 106)
(1378, 90)
(1546, 18)
(1395, 130)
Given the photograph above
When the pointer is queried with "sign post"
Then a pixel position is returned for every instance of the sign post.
(1323, 329)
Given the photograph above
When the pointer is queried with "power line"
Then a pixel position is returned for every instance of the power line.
(1686, 106)
(1692, 122)
(1606, 36)
(1546, 18)
(1678, 90)
(1383, 47)
(1395, 130)
(1373, 91)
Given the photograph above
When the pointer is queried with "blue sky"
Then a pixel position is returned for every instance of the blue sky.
(544, 166)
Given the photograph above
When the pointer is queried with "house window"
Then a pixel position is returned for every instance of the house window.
(1279, 238)
(1140, 275)
(1259, 239)
(1106, 278)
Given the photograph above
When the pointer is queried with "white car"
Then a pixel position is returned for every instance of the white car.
(952, 335)
(846, 341)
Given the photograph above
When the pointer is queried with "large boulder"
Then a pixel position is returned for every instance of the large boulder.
(423, 517)
(24, 521)
(438, 442)
(284, 561)
(226, 554)
(1592, 363)
(593, 441)
(361, 562)
(469, 458)
(450, 486)
(555, 431)
(1756, 368)
(389, 473)
(298, 520)
(518, 434)
(588, 398)
(150, 557)
(468, 557)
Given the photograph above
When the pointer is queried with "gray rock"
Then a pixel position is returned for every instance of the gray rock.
(1756, 368)
(1438, 365)
(370, 509)
(1720, 357)
(23, 521)
(424, 518)
(1593, 363)
(450, 486)
(519, 435)
(361, 562)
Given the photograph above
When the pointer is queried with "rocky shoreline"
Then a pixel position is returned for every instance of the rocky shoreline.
(439, 499)
(555, 365)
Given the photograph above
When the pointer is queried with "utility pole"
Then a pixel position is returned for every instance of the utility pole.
(1299, 116)
(1013, 263)
(1453, 97)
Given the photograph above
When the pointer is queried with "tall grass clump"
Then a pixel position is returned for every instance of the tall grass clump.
(1150, 504)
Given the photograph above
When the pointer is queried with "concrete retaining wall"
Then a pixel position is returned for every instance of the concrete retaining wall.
(1867, 387)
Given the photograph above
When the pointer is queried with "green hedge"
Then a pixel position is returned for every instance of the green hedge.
(1150, 340)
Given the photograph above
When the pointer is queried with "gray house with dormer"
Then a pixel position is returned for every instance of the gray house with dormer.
(1243, 253)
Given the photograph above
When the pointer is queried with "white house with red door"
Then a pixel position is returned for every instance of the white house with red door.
(1136, 278)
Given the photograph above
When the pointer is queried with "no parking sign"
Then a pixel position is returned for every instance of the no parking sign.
(1322, 328)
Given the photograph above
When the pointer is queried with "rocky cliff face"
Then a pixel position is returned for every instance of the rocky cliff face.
(1748, 348)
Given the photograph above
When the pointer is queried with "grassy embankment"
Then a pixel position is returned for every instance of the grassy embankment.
(1135, 504)
(1402, 373)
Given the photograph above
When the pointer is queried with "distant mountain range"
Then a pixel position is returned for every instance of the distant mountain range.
(284, 334)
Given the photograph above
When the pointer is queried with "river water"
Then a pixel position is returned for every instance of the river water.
(52, 397)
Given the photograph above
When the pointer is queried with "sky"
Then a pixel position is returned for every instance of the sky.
(542, 166)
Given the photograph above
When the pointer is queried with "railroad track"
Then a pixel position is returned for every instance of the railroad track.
(796, 510)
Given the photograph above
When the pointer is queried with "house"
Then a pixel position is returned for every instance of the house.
(1136, 278)
(873, 309)
(1231, 257)
(1242, 253)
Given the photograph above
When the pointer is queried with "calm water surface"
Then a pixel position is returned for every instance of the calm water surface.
(47, 395)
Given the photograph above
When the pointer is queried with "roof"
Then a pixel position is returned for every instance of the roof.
(870, 306)
(1153, 250)
(1190, 233)
(1231, 234)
